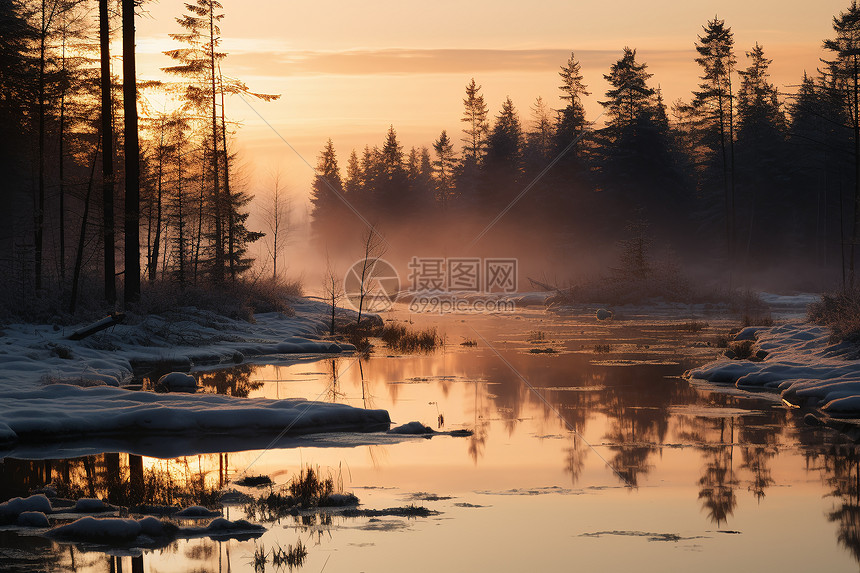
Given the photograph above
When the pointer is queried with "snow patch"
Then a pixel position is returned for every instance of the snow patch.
(11, 509)
(62, 411)
(801, 365)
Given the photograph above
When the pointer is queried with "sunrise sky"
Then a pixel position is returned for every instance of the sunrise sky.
(347, 70)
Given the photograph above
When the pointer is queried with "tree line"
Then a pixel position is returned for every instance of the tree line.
(100, 186)
(739, 170)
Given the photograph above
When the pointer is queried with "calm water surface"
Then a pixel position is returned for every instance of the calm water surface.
(597, 455)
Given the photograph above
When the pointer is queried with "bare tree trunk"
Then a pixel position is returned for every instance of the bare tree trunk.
(63, 165)
(180, 216)
(856, 120)
(156, 243)
(132, 156)
(79, 257)
(40, 200)
(199, 236)
(218, 274)
(228, 198)
(107, 156)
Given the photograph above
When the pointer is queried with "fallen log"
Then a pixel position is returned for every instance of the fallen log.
(108, 321)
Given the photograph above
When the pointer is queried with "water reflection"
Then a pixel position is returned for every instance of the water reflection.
(839, 467)
(122, 479)
(628, 408)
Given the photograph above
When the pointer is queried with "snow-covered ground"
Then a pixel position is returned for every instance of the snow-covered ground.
(53, 389)
(33, 354)
(802, 364)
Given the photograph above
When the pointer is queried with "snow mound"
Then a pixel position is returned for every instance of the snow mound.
(801, 365)
(33, 519)
(62, 411)
(178, 381)
(11, 509)
(412, 428)
(148, 531)
(107, 530)
(7, 435)
(91, 505)
(197, 511)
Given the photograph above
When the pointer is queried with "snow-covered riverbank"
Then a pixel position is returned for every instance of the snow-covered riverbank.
(52, 388)
(32, 355)
(801, 364)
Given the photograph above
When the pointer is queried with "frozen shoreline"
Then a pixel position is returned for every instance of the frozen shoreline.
(56, 390)
(801, 364)
(32, 354)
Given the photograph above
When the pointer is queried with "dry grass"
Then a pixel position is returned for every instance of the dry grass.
(841, 312)
(404, 339)
(399, 337)
(307, 489)
(239, 300)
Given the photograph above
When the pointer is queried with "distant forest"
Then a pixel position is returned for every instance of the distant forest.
(102, 194)
(739, 174)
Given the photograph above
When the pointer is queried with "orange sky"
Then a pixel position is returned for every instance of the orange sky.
(347, 70)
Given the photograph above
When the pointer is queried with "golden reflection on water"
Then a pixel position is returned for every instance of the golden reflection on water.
(697, 462)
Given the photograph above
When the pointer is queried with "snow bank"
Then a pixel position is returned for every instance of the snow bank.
(412, 428)
(148, 531)
(108, 530)
(33, 519)
(91, 505)
(196, 511)
(62, 411)
(10, 510)
(33, 355)
(178, 381)
(802, 365)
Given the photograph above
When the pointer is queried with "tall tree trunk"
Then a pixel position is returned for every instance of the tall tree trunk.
(732, 219)
(180, 216)
(198, 239)
(62, 129)
(82, 237)
(726, 184)
(107, 156)
(132, 156)
(218, 273)
(856, 113)
(40, 199)
(156, 243)
(228, 198)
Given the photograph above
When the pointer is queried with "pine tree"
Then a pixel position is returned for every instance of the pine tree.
(638, 172)
(326, 199)
(477, 128)
(629, 96)
(539, 137)
(760, 159)
(352, 185)
(845, 68)
(443, 168)
(714, 104)
(391, 184)
(198, 63)
(571, 118)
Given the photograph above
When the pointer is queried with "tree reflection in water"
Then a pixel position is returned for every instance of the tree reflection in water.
(121, 479)
(839, 466)
(235, 381)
